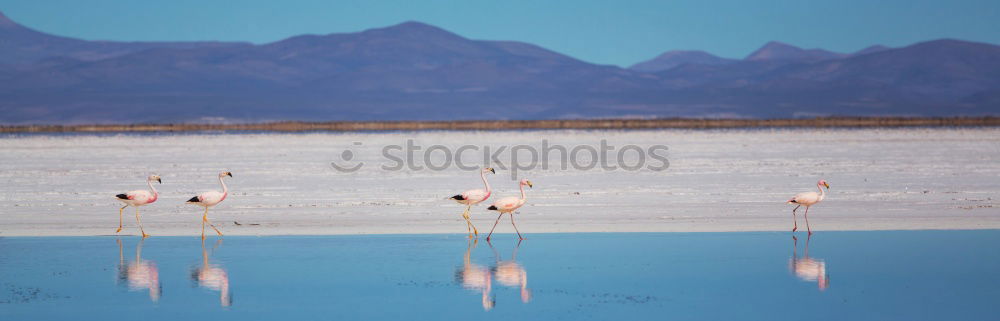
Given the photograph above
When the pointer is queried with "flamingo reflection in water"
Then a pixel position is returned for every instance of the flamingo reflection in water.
(212, 277)
(807, 268)
(476, 277)
(139, 274)
(510, 273)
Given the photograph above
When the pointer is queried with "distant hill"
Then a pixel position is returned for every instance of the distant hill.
(19, 44)
(415, 71)
(671, 59)
(871, 49)
(777, 51)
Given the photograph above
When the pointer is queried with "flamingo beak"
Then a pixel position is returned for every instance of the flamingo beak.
(529, 184)
(158, 180)
(229, 174)
(827, 185)
(491, 170)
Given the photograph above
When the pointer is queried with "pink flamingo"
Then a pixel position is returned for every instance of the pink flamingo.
(138, 198)
(209, 199)
(509, 205)
(808, 199)
(473, 197)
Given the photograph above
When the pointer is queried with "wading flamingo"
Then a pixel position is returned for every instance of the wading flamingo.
(212, 277)
(807, 199)
(509, 205)
(209, 199)
(139, 274)
(138, 198)
(807, 268)
(473, 197)
(476, 277)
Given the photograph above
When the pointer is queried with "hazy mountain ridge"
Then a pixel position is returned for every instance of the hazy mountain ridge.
(671, 59)
(415, 71)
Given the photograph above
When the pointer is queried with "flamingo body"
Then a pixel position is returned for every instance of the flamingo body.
(807, 199)
(138, 198)
(473, 197)
(209, 199)
(507, 204)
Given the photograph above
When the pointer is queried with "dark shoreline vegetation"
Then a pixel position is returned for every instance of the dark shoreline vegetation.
(680, 123)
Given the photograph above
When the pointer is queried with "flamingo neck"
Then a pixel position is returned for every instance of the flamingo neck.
(822, 192)
(487, 183)
(225, 190)
(153, 190)
(524, 196)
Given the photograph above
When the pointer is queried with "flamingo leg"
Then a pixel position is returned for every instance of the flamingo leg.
(467, 219)
(121, 212)
(205, 217)
(468, 228)
(515, 227)
(807, 221)
(468, 223)
(137, 220)
(794, 220)
(494, 227)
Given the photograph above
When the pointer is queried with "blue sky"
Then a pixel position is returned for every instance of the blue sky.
(607, 32)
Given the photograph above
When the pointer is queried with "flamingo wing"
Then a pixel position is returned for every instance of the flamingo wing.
(210, 198)
(808, 198)
(138, 196)
(506, 204)
(475, 195)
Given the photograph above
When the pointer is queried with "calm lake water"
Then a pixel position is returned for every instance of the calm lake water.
(902, 275)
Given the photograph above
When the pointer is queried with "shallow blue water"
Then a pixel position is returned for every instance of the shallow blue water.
(902, 275)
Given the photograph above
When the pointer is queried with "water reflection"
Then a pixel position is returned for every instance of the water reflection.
(510, 273)
(213, 277)
(139, 274)
(476, 277)
(807, 268)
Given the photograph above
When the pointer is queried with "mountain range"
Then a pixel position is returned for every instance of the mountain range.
(415, 71)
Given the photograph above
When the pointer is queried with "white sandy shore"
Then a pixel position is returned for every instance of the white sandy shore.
(718, 180)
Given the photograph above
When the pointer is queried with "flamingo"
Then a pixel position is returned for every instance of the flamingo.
(807, 268)
(138, 198)
(209, 199)
(476, 277)
(509, 205)
(139, 274)
(473, 197)
(212, 277)
(808, 199)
